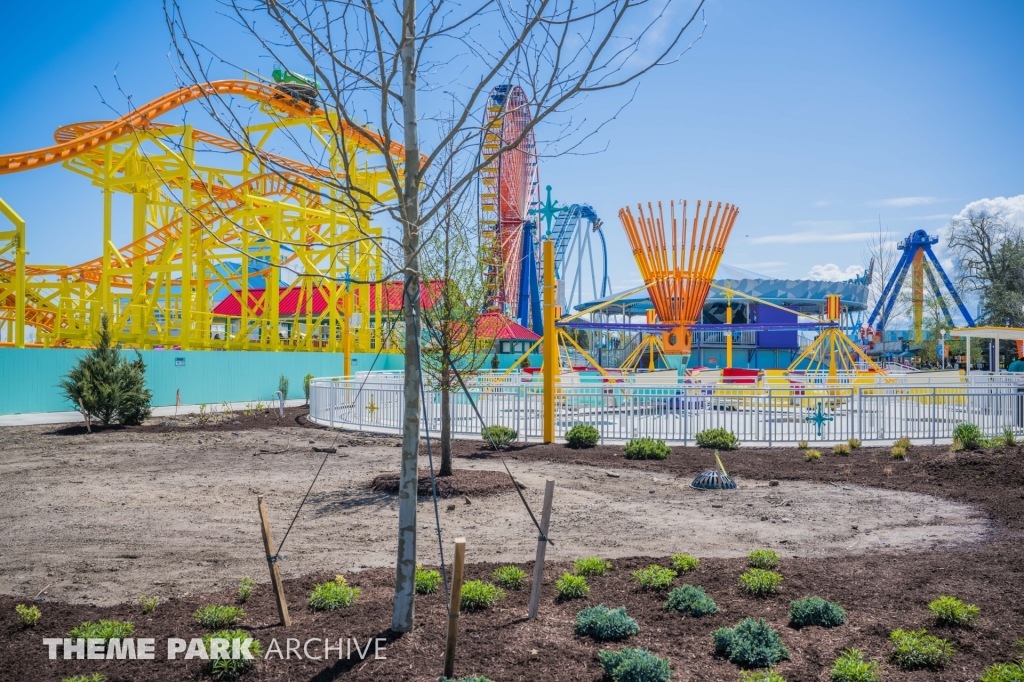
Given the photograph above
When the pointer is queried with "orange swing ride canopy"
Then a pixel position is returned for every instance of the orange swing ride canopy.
(678, 275)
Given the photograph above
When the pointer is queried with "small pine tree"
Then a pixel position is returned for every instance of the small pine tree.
(282, 385)
(305, 386)
(106, 386)
(495, 361)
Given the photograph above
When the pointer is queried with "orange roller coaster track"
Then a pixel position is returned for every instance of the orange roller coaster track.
(201, 233)
(678, 277)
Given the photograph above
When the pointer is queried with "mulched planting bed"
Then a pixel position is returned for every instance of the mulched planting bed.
(992, 478)
(880, 593)
(462, 483)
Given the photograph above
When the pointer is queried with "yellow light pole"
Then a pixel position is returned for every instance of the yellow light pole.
(728, 332)
(550, 341)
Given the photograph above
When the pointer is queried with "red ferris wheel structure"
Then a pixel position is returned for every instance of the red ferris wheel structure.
(509, 189)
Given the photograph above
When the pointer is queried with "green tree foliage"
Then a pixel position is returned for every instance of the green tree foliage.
(751, 644)
(107, 387)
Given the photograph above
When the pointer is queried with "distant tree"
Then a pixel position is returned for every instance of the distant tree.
(880, 259)
(105, 386)
(988, 254)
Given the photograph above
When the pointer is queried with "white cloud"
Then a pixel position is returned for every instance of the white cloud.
(904, 202)
(1010, 209)
(830, 272)
(811, 238)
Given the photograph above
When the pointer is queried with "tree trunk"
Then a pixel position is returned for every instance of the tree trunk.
(405, 566)
(446, 423)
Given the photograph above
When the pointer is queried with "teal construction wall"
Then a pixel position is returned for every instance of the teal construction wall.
(29, 377)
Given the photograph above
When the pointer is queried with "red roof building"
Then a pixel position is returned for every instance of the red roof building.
(496, 326)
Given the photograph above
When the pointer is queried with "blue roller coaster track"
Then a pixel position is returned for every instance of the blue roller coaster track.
(566, 233)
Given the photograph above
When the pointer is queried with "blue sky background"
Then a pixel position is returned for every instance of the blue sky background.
(815, 118)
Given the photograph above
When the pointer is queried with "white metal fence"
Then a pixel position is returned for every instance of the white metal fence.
(676, 413)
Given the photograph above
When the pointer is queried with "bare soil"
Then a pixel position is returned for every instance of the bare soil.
(171, 510)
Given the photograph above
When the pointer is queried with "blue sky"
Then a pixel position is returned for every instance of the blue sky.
(815, 118)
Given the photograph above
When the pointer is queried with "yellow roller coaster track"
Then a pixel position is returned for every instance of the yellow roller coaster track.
(201, 232)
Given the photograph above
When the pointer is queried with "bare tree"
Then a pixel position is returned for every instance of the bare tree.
(374, 64)
(881, 259)
(988, 254)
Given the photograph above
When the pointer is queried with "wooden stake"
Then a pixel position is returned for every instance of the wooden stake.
(275, 574)
(542, 544)
(453, 608)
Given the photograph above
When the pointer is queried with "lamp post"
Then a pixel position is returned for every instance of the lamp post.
(942, 349)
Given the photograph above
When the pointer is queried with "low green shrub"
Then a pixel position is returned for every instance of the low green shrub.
(684, 563)
(654, 577)
(582, 436)
(216, 617)
(967, 436)
(916, 649)
(761, 676)
(692, 600)
(750, 644)
(903, 442)
(812, 455)
(149, 604)
(245, 586)
(1008, 439)
(841, 449)
(854, 443)
(104, 629)
(510, 577)
(898, 452)
(501, 436)
(760, 583)
(427, 581)
(571, 586)
(28, 615)
(95, 677)
(1004, 672)
(802, 445)
(228, 668)
(336, 594)
(634, 665)
(764, 558)
(478, 594)
(816, 611)
(952, 611)
(605, 624)
(591, 565)
(719, 438)
(851, 667)
(646, 448)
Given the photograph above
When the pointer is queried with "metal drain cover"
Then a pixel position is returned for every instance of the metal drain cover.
(713, 480)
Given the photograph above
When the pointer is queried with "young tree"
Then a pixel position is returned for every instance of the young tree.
(376, 61)
(454, 339)
(106, 386)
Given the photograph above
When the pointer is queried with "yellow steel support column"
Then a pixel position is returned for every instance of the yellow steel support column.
(728, 332)
(917, 272)
(105, 274)
(550, 341)
(139, 206)
(188, 151)
(19, 273)
(347, 332)
(272, 292)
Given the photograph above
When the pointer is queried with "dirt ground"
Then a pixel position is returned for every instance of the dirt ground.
(102, 518)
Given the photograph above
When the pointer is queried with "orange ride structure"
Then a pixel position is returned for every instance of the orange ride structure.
(211, 218)
(678, 271)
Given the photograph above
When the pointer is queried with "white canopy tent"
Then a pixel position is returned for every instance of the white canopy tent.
(997, 333)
